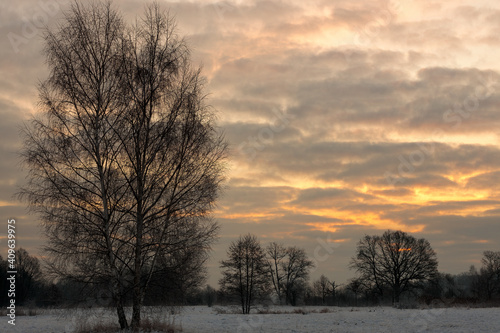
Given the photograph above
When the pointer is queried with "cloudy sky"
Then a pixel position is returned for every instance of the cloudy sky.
(345, 118)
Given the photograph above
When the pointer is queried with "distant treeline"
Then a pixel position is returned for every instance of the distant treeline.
(34, 288)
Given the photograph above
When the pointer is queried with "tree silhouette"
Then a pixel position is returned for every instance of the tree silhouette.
(395, 260)
(489, 274)
(289, 270)
(245, 272)
(124, 159)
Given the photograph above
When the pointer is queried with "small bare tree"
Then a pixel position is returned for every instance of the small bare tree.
(356, 286)
(323, 288)
(289, 270)
(125, 161)
(489, 274)
(276, 254)
(28, 276)
(395, 260)
(245, 272)
(296, 269)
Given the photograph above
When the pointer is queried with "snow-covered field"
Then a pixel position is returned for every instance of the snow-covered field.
(213, 320)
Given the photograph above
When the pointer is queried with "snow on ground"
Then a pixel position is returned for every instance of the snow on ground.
(203, 319)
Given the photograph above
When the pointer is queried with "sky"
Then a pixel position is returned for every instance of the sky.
(344, 118)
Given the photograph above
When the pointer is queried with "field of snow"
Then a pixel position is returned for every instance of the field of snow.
(213, 320)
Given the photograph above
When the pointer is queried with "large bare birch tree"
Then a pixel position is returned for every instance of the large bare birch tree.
(125, 161)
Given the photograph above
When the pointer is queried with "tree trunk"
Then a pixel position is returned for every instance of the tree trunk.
(137, 295)
(136, 299)
(117, 295)
(116, 286)
(136, 309)
(122, 319)
(396, 295)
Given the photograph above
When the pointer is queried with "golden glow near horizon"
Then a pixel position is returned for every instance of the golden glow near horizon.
(388, 117)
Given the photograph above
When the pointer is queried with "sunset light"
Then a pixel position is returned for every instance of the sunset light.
(343, 119)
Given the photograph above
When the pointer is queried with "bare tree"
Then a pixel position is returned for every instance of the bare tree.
(70, 148)
(125, 156)
(356, 286)
(489, 274)
(367, 262)
(296, 269)
(29, 274)
(276, 254)
(289, 270)
(209, 295)
(395, 260)
(172, 153)
(181, 268)
(323, 288)
(245, 272)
